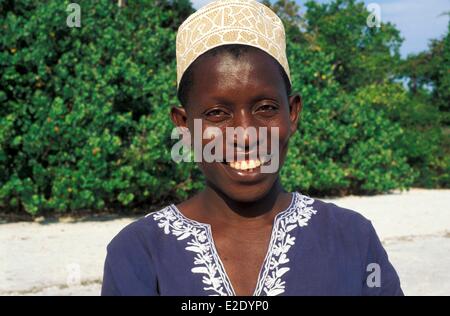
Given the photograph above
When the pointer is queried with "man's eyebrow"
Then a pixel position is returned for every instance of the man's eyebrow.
(257, 96)
(221, 99)
(265, 95)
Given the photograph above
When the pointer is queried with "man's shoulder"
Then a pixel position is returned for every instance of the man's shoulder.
(139, 232)
(334, 216)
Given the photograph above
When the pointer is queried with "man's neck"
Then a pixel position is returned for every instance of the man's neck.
(220, 208)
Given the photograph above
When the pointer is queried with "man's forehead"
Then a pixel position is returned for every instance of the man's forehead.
(250, 70)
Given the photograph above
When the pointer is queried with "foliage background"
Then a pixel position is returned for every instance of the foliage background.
(84, 111)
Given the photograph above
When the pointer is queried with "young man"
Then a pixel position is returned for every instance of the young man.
(244, 234)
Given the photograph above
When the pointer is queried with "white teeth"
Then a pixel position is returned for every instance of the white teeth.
(246, 165)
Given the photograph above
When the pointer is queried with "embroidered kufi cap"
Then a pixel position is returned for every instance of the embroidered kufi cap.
(225, 22)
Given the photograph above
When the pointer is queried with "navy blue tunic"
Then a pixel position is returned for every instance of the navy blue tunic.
(316, 248)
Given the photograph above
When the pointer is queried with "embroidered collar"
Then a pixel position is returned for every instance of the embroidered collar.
(199, 240)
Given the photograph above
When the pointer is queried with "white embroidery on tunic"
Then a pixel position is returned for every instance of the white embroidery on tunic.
(207, 260)
(200, 243)
(297, 215)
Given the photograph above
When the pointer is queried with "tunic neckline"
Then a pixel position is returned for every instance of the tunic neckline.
(263, 270)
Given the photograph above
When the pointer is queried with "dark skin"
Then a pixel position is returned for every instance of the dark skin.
(240, 206)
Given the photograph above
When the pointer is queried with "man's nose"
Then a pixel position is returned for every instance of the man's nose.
(246, 134)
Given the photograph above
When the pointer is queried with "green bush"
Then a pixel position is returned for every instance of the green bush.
(345, 144)
(422, 141)
(84, 114)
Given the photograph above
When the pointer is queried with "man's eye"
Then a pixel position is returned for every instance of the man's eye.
(266, 107)
(215, 113)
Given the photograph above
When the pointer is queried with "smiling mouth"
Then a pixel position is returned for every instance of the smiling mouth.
(248, 165)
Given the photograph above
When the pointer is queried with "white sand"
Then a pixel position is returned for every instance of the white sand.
(66, 258)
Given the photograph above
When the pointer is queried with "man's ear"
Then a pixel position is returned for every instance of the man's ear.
(178, 116)
(295, 108)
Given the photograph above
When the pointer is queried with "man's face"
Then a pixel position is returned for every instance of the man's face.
(245, 92)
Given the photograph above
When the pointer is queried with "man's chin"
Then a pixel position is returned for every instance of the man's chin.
(247, 193)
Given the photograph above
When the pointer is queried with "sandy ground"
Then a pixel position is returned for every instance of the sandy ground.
(66, 257)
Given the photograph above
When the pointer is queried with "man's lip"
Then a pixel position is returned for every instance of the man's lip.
(246, 157)
(262, 161)
(246, 153)
(243, 175)
(254, 153)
